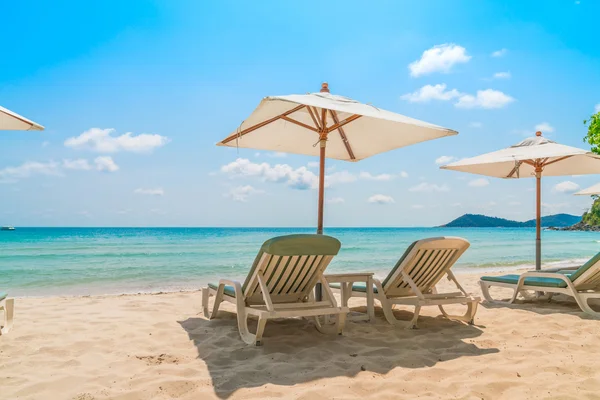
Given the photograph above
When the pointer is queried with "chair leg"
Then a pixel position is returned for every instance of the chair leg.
(341, 322)
(9, 309)
(582, 301)
(468, 317)
(205, 297)
(260, 329)
(242, 320)
(485, 286)
(218, 300)
(413, 321)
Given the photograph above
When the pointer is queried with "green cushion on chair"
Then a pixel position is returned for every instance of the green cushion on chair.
(356, 287)
(533, 281)
(3, 295)
(228, 290)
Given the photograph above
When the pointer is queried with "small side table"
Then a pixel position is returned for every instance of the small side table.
(346, 281)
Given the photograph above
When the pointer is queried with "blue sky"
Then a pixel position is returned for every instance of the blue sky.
(135, 94)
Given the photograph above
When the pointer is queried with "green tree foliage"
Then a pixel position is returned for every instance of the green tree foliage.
(592, 217)
(593, 133)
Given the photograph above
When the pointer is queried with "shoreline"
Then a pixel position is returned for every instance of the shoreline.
(458, 270)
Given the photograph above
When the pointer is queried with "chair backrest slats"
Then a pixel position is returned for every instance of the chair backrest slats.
(425, 262)
(290, 266)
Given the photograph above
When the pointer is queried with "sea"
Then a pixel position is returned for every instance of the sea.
(40, 262)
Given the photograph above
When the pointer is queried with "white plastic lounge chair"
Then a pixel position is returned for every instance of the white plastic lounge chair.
(582, 284)
(412, 281)
(280, 284)
(7, 307)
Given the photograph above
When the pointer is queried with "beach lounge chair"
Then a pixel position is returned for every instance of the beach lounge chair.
(7, 307)
(582, 284)
(412, 280)
(280, 284)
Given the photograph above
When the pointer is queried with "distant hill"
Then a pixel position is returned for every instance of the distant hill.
(483, 221)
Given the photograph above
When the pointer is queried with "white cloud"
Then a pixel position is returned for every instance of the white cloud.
(102, 141)
(499, 53)
(277, 154)
(444, 160)
(150, 192)
(476, 125)
(313, 164)
(242, 193)
(488, 99)
(565, 187)
(597, 108)
(380, 199)
(28, 169)
(431, 92)
(403, 174)
(440, 58)
(417, 206)
(79, 164)
(544, 127)
(514, 203)
(256, 154)
(502, 75)
(299, 178)
(335, 200)
(105, 163)
(380, 177)
(429, 187)
(479, 182)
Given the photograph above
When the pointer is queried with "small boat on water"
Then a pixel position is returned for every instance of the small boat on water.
(7, 228)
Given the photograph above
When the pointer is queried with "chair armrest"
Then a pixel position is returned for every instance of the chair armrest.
(237, 287)
(540, 274)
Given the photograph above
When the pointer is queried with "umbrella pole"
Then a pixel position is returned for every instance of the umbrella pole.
(538, 219)
(322, 144)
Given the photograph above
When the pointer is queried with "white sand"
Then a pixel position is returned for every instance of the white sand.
(160, 347)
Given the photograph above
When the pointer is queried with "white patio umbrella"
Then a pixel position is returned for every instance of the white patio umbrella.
(533, 157)
(326, 125)
(592, 190)
(12, 121)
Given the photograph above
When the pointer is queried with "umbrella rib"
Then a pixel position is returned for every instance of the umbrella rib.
(557, 160)
(342, 134)
(344, 122)
(515, 169)
(314, 118)
(299, 123)
(261, 124)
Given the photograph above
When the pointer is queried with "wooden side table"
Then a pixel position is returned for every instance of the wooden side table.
(346, 281)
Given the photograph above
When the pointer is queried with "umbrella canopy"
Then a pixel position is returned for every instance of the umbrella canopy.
(12, 121)
(343, 129)
(592, 190)
(533, 157)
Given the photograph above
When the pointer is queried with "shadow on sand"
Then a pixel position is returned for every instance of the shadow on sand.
(294, 352)
(559, 304)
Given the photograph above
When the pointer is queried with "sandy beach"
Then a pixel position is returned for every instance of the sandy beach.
(160, 347)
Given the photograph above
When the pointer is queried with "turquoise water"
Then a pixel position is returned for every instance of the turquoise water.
(81, 261)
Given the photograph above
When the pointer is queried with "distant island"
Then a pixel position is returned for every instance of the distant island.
(484, 221)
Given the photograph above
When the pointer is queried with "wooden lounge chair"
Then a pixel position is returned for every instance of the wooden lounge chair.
(7, 307)
(280, 284)
(412, 281)
(582, 284)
